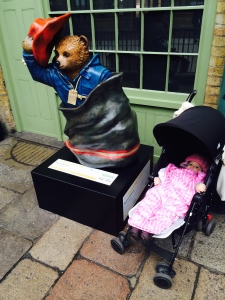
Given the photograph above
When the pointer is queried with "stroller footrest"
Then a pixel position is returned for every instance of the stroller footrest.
(166, 254)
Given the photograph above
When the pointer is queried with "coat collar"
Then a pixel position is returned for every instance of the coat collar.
(84, 72)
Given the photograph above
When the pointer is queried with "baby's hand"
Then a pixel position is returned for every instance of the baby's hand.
(157, 181)
(200, 188)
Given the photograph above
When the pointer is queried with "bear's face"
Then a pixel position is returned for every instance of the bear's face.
(71, 54)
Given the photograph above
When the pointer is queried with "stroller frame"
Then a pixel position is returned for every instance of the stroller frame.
(202, 221)
(197, 216)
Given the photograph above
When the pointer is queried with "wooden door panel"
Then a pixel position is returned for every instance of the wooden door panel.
(148, 117)
(33, 103)
(26, 96)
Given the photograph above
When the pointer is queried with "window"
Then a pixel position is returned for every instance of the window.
(155, 43)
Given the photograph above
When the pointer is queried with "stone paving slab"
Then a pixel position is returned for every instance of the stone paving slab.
(86, 280)
(17, 180)
(185, 245)
(28, 281)
(25, 218)
(210, 251)
(38, 138)
(4, 145)
(183, 282)
(95, 270)
(12, 248)
(98, 248)
(210, 286)
(6, 197)
(58, 246)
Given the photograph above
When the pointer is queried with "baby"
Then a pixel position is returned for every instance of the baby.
(170, 197)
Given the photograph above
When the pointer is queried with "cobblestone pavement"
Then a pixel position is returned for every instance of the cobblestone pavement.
(45, 256)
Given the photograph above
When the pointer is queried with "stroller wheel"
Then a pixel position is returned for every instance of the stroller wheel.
(125, 240)
(117, 245)
(163, 281)
(161, 267)
(210, 227)
(164, 267)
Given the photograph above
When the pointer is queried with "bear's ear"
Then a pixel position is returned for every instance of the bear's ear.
(84, 40)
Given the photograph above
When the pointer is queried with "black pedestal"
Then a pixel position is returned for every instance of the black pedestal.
(98, 205)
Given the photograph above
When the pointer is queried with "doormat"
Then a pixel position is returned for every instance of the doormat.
(26, 154)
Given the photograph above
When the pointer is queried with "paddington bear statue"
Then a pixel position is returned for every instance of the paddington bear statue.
(101, 126)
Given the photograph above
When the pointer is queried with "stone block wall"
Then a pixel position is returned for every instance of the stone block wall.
(217, 60)
(6, 116)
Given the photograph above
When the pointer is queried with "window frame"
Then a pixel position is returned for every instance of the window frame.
(171, 100)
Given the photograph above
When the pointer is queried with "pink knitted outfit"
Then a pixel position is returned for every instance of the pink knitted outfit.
(167, 202)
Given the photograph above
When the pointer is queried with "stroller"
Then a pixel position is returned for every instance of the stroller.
(199, 129)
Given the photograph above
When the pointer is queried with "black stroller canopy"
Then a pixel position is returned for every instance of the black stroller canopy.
(200, 129)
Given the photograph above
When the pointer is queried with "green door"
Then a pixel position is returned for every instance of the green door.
(33, 104)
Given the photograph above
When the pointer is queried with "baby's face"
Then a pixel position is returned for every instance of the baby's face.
(194, 166)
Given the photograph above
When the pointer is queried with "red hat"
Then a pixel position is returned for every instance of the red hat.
(43, 32)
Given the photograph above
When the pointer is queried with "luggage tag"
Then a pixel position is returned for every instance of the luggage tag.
(72, 97)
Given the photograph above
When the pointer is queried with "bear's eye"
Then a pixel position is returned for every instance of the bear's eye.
(66, 54)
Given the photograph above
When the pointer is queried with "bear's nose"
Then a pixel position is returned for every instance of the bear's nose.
(57, 63)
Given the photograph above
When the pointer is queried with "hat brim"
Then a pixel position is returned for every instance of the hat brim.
(43, 32)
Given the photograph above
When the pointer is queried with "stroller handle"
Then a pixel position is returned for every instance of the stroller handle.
(191, 96)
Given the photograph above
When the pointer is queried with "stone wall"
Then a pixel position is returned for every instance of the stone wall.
(217, 60)
(6, 117)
